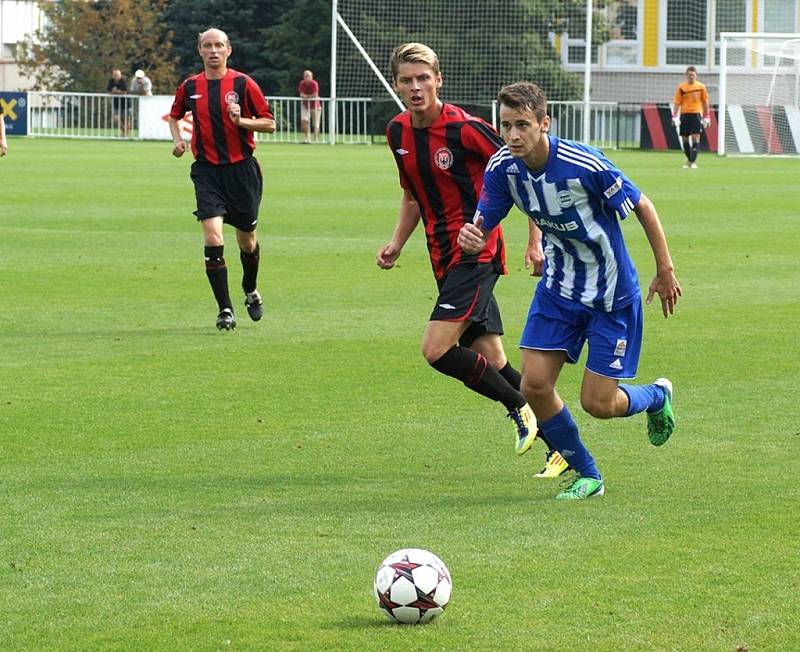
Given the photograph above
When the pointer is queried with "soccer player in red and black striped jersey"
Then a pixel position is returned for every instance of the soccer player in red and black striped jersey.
(227, 106)
(441, 152)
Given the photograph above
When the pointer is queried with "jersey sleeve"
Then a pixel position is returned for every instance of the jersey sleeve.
(481, 138)
(178, 109)
(256, 102)
(615, 191)
(704, 95)
(495, 200)
(678, 97)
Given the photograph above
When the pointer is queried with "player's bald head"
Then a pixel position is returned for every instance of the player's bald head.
(213, 33)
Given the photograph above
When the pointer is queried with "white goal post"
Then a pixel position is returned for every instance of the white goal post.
(759, 94)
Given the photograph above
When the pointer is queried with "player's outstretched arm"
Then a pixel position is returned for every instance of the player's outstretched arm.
(3, 141)
(407, 219)
(665, 283)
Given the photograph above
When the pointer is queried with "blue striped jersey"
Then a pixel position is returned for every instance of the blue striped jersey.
(577, 200)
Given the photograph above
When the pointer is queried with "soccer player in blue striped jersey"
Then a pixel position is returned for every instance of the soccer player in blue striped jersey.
(589, 289)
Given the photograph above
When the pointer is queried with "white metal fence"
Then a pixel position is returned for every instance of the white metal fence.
(130, 117)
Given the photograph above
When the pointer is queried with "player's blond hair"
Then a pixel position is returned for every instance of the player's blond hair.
(413, 53)
(524, 95)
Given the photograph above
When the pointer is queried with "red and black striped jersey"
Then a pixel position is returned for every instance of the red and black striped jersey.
(215, 138)
(442, 167)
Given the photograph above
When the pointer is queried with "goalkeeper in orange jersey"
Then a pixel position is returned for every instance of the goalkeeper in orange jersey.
(691, 113)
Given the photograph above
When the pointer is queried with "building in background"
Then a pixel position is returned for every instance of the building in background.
(17, 19)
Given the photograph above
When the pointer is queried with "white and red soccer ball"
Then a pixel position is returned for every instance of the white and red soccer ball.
(412, 586)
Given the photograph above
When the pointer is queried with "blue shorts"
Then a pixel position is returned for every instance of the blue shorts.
(615, 338)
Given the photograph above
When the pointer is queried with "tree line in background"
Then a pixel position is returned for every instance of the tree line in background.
(273, 41)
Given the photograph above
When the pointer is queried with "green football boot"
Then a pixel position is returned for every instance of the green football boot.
(582, 488)
(661, 424)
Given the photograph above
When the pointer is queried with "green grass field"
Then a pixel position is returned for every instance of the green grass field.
(164, 486)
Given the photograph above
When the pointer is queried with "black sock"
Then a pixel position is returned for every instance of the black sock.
(693, 153)
(249, 268)
(475, 372)
(511, 375)
(217, 274)
(687, 150)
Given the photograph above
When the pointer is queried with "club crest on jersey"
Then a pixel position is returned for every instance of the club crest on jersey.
(565, 198)
(231, 97)
(443, 158)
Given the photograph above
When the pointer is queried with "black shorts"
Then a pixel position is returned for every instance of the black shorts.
(690, 124)
(232, 191)
(467, 293)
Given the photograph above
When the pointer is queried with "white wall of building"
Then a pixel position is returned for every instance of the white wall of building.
(18, 18)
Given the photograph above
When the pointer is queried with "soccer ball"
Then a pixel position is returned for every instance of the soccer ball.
(412, 586)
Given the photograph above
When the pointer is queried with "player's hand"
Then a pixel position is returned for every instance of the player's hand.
(676, 120)
(470, 237)
(234, 112)
(534, 259)
(179, 149)
(387, 255)
(668, 290)
(705, 122)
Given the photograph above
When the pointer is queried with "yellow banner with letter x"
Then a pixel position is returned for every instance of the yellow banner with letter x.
(14, 111)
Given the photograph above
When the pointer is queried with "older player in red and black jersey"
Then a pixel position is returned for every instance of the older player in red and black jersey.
(441, 153)
(227, 106)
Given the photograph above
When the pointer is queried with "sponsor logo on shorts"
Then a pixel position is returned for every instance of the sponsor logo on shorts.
(622, 345)
(567, 453)
(613, 189)
(443, 158)
(616, 364)
(447, 306)
(565, 198)
(231, 97)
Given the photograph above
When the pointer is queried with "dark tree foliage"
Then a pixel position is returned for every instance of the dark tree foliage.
(85, 40)
(300, 41)
(244, 23)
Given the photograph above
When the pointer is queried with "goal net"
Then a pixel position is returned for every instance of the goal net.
(481, 46)
(760, 94)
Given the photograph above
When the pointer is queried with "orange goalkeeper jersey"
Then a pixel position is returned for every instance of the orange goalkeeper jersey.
(691, 97)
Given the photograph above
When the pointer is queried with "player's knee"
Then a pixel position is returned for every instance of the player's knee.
(597, 407)
(535, 389)
(432, 352)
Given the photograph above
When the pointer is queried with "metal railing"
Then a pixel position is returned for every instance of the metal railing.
(131, 117)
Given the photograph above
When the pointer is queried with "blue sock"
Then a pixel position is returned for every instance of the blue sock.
(643, 397)
(562, 433)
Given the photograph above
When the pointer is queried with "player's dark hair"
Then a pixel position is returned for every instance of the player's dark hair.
(524, 95)
(691, 69)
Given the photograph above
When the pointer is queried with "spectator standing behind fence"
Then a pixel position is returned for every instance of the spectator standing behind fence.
(117, 85)
(310, 107)
(141, 84)
(3, 141)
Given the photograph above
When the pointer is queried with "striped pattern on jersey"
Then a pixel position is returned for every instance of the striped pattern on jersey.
(442, 167)
(215, 138)
(577, 201)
